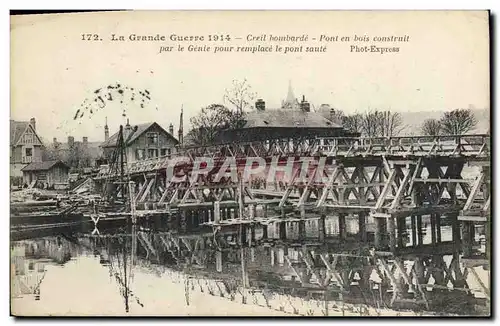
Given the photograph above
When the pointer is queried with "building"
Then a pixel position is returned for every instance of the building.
(25, 146)
(77, 154)
(143, 141)
(47, 174)
(293, 120)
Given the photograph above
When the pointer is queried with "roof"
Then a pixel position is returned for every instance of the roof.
(286, 118)
(136, 131)
(17, 129)
(65, 146)
(43, 166)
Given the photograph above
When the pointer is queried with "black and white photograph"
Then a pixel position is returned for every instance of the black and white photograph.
(250, 163)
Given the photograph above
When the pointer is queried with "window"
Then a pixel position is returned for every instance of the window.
(165, 152)
(152, 138)
(152, 153)
(139, 154)
(28, 138)
(29, 151)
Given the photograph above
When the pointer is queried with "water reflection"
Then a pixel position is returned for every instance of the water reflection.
(144, 270)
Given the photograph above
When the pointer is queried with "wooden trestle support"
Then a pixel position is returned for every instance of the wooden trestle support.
(425, 201)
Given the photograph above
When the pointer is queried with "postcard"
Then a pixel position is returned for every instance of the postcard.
(250, 163)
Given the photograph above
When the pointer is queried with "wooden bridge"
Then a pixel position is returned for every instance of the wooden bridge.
(390, 187)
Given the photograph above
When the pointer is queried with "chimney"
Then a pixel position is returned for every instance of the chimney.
(85, 141)
(260, 105)
(71, 141)
(33, 123)
(304, 105)
(127, 130)
(171, 129)
(332, 115)
(54, 140)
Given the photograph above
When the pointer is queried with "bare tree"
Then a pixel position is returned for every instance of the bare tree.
(380, 123)
(458, 122)
(390, 123)
(240, 96)
(210, 121)
(353, 122)
(370, 124)
(431, 127)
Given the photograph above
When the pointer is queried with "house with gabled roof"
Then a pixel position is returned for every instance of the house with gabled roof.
(142, 141)
(25, 145)
(46, 174)
(294, 120)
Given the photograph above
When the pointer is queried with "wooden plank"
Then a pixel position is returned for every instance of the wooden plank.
(471, 218)
(385, 191)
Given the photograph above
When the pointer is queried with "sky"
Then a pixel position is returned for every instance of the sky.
(444, 65)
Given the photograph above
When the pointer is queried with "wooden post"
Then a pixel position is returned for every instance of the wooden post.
(467, 238)
(131, 186)
(217, 212)
(433, 228)
(195, 218)
(420, 234)
(282, 230)
(401, 225)
(251, 209)
(438, 227)
(264, 232)
(302, 224)
(362, 226)
(252, 235)
(487, 237)
(218, 261)
(378, 233)
(281, 256)
(182, 220)
(322, 228)
(244, 240)
(342, 226)
(264, 210)
(391, 228)
(455, 229)
(282, 226)
(413, 231)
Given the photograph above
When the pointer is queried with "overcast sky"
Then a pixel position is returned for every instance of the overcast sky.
(443, 66)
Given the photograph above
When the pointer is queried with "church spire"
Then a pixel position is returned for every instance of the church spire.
(181, 127)
(290, 102)
(106, 130)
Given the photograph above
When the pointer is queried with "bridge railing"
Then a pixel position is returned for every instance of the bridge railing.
(451, 145)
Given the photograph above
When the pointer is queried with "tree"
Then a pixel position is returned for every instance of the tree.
(431, 127)
(376, 123)
(210, 121)
(370, 124)
(390, 123)
(353, 122)
(458, 122)
(240, 96)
